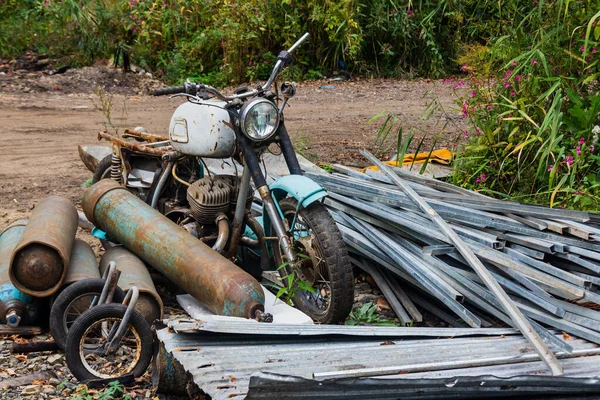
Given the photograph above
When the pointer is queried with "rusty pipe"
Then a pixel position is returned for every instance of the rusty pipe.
(140, 148)
(220, 285)
(223, 235)
(40, 262)
(15, 306)
(135, 273)
(150, 137)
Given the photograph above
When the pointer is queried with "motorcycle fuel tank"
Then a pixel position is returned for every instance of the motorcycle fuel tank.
(202, 130)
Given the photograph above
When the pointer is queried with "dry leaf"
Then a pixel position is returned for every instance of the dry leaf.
(383, 305)
(40, 382)
(387, 343)
(566, 336)
(21, 357)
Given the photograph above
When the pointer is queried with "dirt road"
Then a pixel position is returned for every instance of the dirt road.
(40, 131)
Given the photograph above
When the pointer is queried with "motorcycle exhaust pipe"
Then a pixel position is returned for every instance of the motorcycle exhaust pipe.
(135, 273)
(39, 263)
(15, 306)
(202, 272)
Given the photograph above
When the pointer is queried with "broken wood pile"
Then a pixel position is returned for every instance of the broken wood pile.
(547, 261)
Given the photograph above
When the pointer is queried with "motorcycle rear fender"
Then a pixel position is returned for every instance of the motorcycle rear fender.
(303, 189)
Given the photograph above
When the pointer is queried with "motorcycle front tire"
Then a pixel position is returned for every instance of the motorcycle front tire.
(336, 269)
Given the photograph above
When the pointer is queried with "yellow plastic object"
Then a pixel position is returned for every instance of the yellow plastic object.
(441, 156)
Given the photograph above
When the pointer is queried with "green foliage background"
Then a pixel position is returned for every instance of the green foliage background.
(228, 41)
(533, 65)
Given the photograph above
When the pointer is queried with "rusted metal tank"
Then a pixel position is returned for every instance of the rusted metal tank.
(202, 272)
(16, 307)
(82, 265)
(40, 261)
(134, 272)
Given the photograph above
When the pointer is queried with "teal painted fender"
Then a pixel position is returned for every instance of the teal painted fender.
(303, 189)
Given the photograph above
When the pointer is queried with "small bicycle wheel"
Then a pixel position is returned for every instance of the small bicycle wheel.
(72, 302)
(88, 340)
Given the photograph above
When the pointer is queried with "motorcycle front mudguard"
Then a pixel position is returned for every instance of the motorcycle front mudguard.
(303, 189)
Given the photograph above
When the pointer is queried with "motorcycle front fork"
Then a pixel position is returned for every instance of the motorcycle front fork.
(270, 208)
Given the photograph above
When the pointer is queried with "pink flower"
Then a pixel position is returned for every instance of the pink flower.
(465, 108)
(466, 133)
(477, 132)
(591, 148)
(550, 167)
(489, 106)
(582, 49)
(594, 50)
(512, 92)
(518, 78)
(578, 150)
(514, 63)
(570, 160)
(506, 85)
(477, 180)
(473, 93)
(533, 62)
(581, 140)
(464, 68)
(249, 63)
(482, 177)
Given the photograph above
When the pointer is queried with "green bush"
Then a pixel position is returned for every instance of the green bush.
(535, 122)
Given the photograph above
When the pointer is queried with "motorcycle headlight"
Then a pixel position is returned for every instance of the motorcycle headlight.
(259, 119)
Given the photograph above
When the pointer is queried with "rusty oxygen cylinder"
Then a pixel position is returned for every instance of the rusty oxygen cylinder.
(196, 268)
(134, 272)
(82, 265)
(15, 306)
(40, 261)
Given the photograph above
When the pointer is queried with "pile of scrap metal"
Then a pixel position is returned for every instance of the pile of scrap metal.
(430, 246)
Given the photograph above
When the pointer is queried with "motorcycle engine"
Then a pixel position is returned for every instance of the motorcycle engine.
(212, 195)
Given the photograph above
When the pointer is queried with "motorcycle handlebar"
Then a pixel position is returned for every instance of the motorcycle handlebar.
(168, 90)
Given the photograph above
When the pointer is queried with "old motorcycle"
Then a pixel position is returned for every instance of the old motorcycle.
(295, 233)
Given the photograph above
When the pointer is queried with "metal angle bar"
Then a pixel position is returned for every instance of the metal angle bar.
(438, 250)
(407, 260)
(562, 324)
(403, 297)
(532, 243)
(594, 255)
(386, 289)
(507, 304)
(555, 226)
(549, 268)
(590, 230)
(531, 222)
(496, 257)
(582, 321)
(539, 255)
(525, 281)
(351, 172)
(541, 302)
(593, 279)
(434, 310)
(582, 262)
(577, 309)
(478, 236)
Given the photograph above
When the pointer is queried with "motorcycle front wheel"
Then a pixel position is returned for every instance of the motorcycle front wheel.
(323, 263)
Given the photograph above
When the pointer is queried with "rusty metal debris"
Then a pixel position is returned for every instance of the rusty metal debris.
(152, 138)
(196, 268)
(40, 261)
(134, 146)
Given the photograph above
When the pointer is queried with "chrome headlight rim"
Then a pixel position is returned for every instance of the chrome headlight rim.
(246, 110)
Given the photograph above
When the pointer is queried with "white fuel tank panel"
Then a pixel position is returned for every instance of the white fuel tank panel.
(202, 130)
